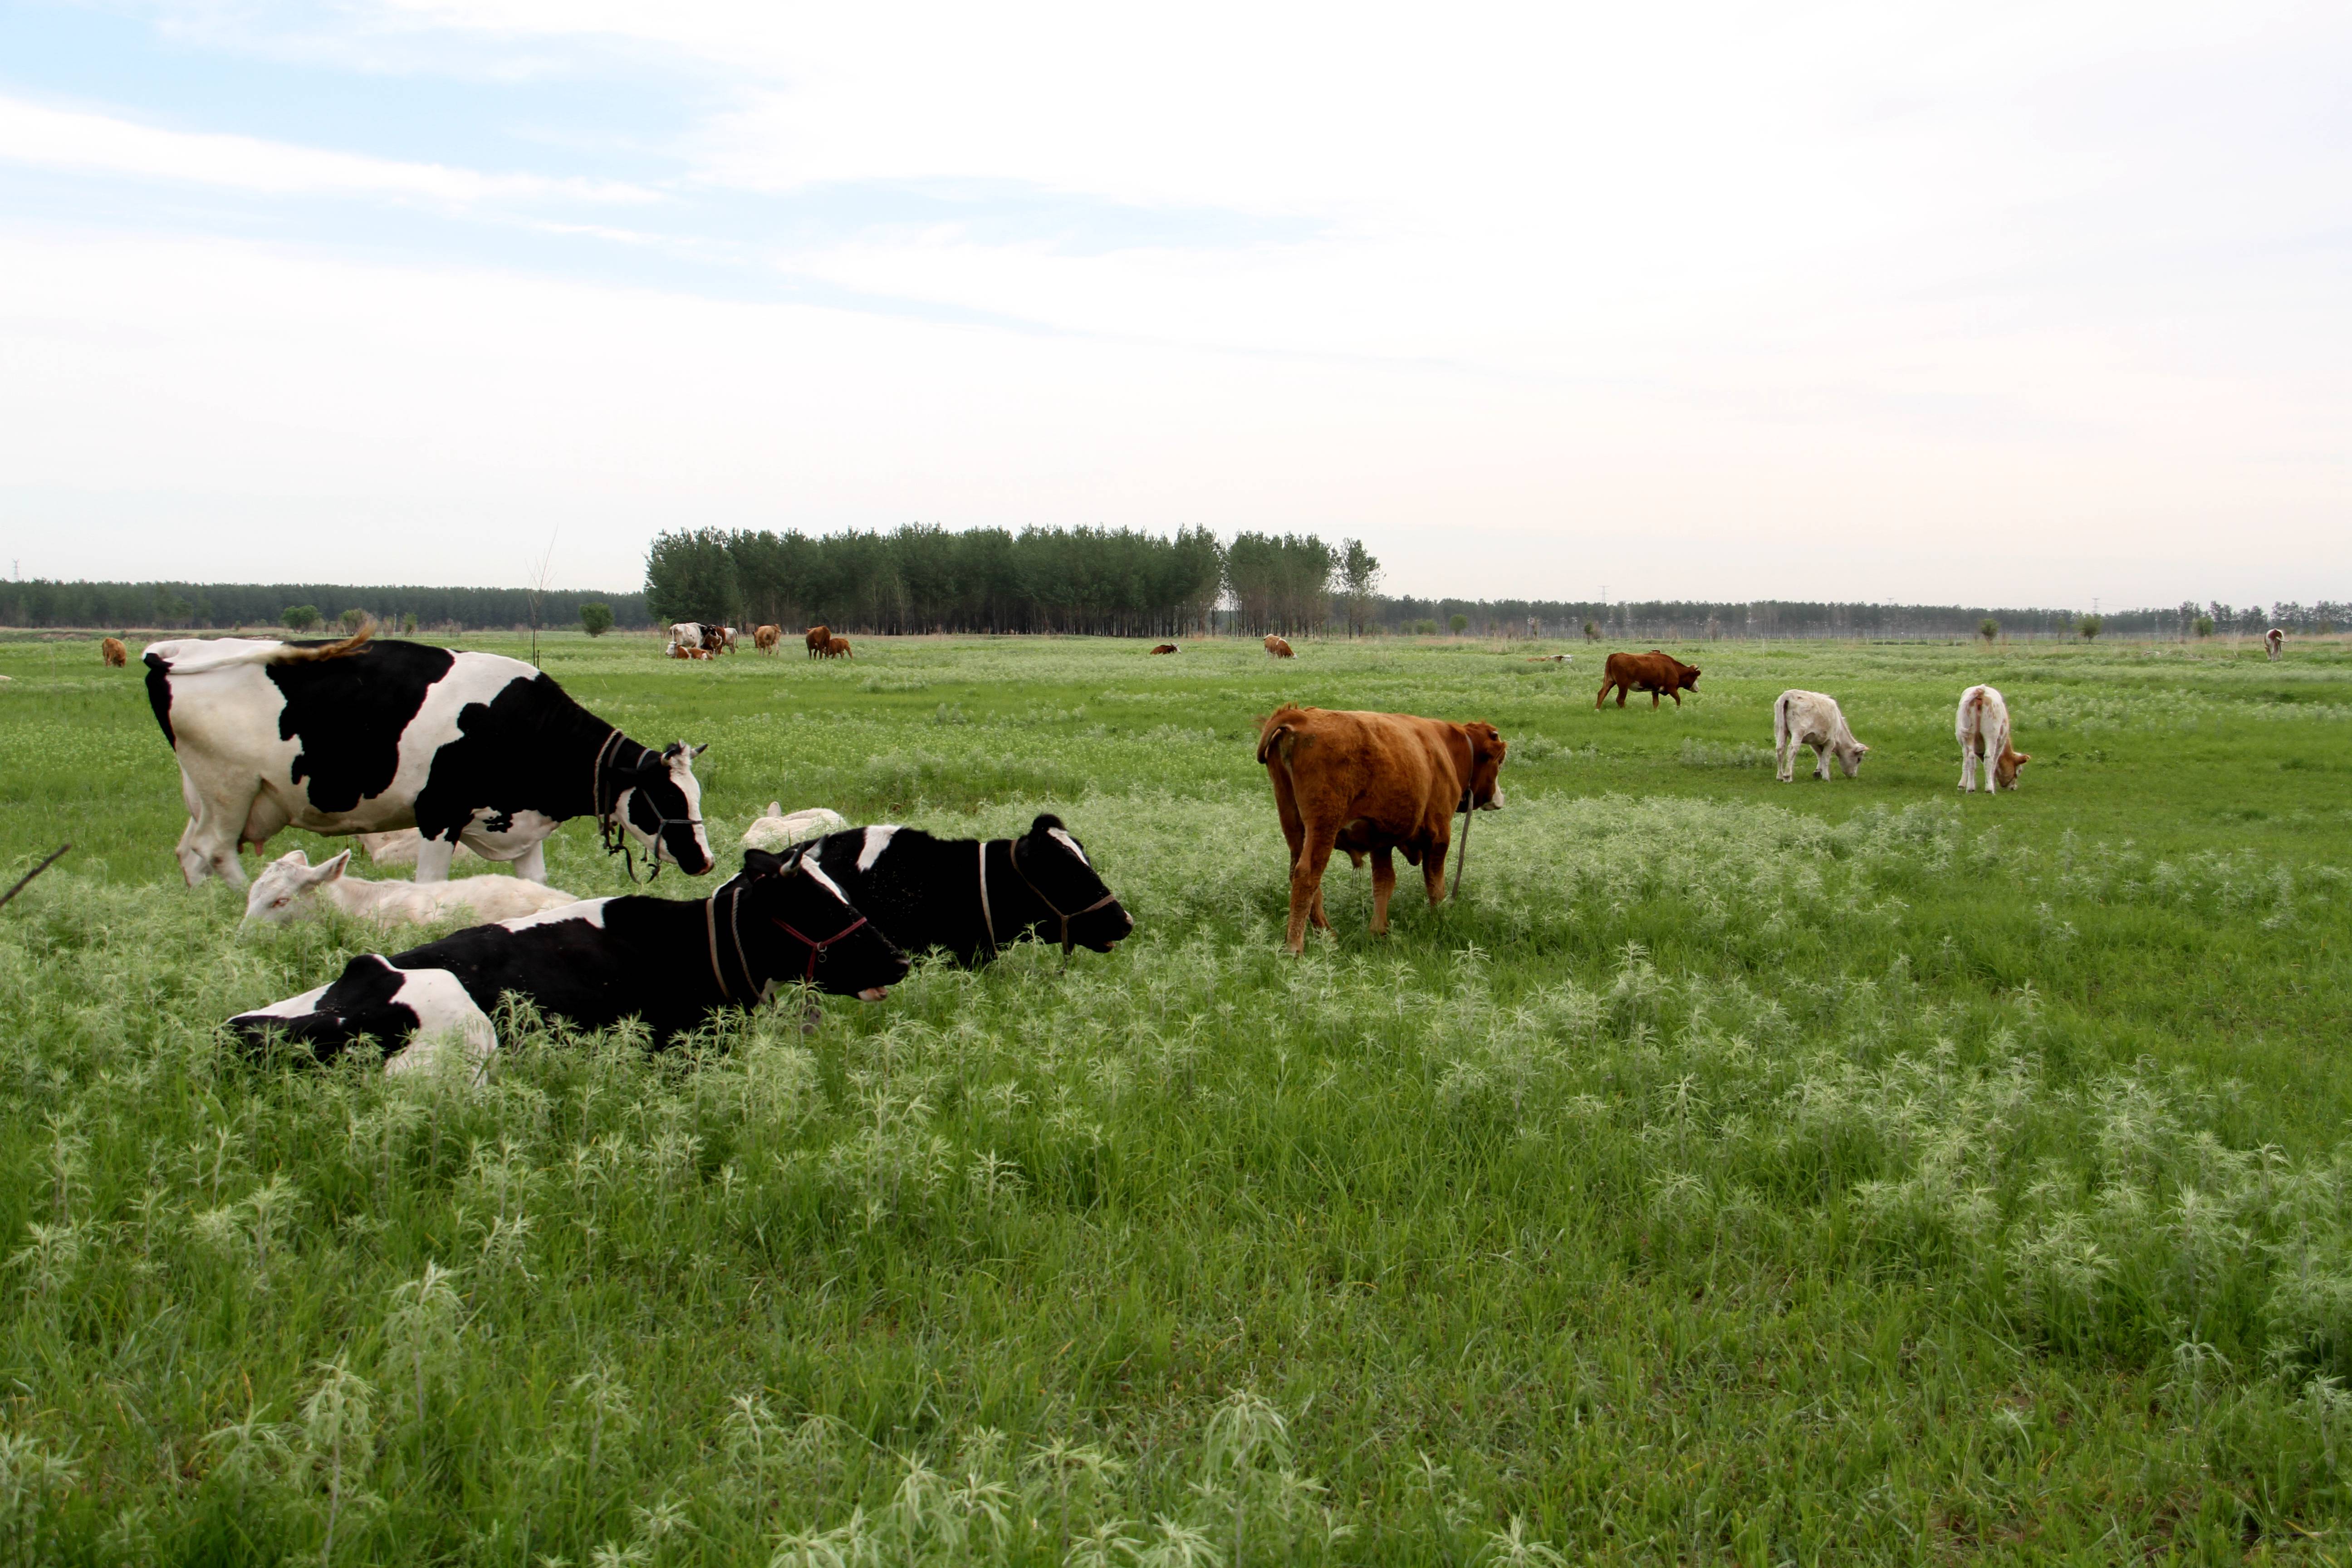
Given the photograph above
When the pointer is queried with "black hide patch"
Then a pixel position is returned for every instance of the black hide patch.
(159, 698)
(349, 715)
(359, 1004)
(515, 752)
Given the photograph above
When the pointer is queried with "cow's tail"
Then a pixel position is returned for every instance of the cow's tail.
(287, 653)
(1780, 726)
(204, 658)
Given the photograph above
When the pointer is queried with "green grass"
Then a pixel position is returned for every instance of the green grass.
(1744, 1173)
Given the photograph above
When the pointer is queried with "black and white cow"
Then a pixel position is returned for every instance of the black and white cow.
(972, 896)
(670, 962)
(360, 736)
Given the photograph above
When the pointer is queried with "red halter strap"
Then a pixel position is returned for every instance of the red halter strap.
(814, 947)
(1068, 941)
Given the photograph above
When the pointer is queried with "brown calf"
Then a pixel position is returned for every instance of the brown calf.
(765, 639)
(836, 648)
(1372, 783)
(114, 653)
(1277, 649)
(1167, 647)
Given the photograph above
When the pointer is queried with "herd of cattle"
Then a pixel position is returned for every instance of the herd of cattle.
(427, 752)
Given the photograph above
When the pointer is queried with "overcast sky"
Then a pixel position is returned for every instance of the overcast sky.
(2010, 304)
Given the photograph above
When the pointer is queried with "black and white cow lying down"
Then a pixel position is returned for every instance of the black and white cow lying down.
(972, 896)
(360, 736)
(670, 962)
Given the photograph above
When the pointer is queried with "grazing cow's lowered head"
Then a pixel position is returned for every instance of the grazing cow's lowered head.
(658, 804)
(1487, 750)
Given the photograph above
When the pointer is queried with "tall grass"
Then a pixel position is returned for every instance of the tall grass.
(1741, 1172)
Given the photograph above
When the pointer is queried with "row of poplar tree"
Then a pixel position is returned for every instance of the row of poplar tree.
(1092, 581)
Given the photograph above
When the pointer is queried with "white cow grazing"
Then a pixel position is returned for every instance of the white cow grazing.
(289, 887)
(1982, 727)
(686, 633)
(1813, 719)
(776, 833)
(2273, 639)
(399, 847)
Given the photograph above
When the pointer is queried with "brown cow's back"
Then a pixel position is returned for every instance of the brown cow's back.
(113, 651)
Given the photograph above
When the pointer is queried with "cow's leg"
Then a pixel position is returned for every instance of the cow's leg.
(1307, 883)
(1433, 870)
(432, 858)
(1967, 770)
(1822, 763)
(208, 845)
(531, 864)
(1383, 884)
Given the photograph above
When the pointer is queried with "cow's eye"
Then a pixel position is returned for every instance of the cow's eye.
(280, 903)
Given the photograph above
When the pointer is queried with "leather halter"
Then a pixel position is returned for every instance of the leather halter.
(987, 921)
(610, 827)
(1068, 941)
(756, 989)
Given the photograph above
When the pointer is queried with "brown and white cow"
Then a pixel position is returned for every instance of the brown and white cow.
(116, 656)
(718, 640)
(1813, 719)
(818, 637)
(680, 650)
(1167, 647)
(1982, 728)
(1372, 783)
(1277, 649)
(2273, 640)
(765, 639)
(1652, 672)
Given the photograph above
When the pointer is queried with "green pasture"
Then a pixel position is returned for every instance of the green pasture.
(1822, 1172)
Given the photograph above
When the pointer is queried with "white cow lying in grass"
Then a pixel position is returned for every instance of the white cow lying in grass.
(776, 833)
(1982, 726)
(289, 887)
(417, 1014)
(1813, 719)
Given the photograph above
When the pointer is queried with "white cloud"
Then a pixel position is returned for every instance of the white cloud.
(82, 142)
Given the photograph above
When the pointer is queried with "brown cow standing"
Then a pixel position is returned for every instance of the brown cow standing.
(114, 653)
(816, 638)
(836, 648)
(1652, 672)
(1167, 647)
(1277, 649)
(1372, 783)
(765, 639)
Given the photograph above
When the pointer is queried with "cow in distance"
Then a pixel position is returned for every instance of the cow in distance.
(1372, 783)
(2273, 642)
(1654, 672)
(1276, 648)
(818, 637)
(765, 639)
(1167, 647)
(116, 656)
(361, 736)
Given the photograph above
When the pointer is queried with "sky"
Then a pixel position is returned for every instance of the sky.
(2014, 304)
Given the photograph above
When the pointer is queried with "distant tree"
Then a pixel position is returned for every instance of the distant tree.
(1987, 628)
(408, 624)
(352, 619)
(2204, 626)
(1459, 623)
(1360, 580)
(171, 610)
(1591, 631)
(2090, 627)
(595, 619)
(690, 576)
(300, 617)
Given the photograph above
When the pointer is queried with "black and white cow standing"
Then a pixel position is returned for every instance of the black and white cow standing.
(673, 962)
(972, 896)
(360, 736)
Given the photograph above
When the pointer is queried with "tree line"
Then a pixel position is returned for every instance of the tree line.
(922, 578)
(1698, 620)
(215, 606)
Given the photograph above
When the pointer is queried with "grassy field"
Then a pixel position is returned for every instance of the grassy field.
(1739, 1173)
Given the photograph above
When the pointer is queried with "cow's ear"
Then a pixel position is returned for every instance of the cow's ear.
(775, 808)
(2024, 758)
(1046, 822)
(330, 871)
(694, 752)
(760, 863)
(295, 858)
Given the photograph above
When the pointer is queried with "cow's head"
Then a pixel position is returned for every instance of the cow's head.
(794, 924)
(2005, 766)
(1687, 676)
(1850, 758)
(287, 887)
(1487, 750)
(660, 805)
(1055, 864)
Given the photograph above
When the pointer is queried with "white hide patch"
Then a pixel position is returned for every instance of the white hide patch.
(1071, 845)
(809, 865)
(878, 839)
(300, 1006)
(589, 909)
